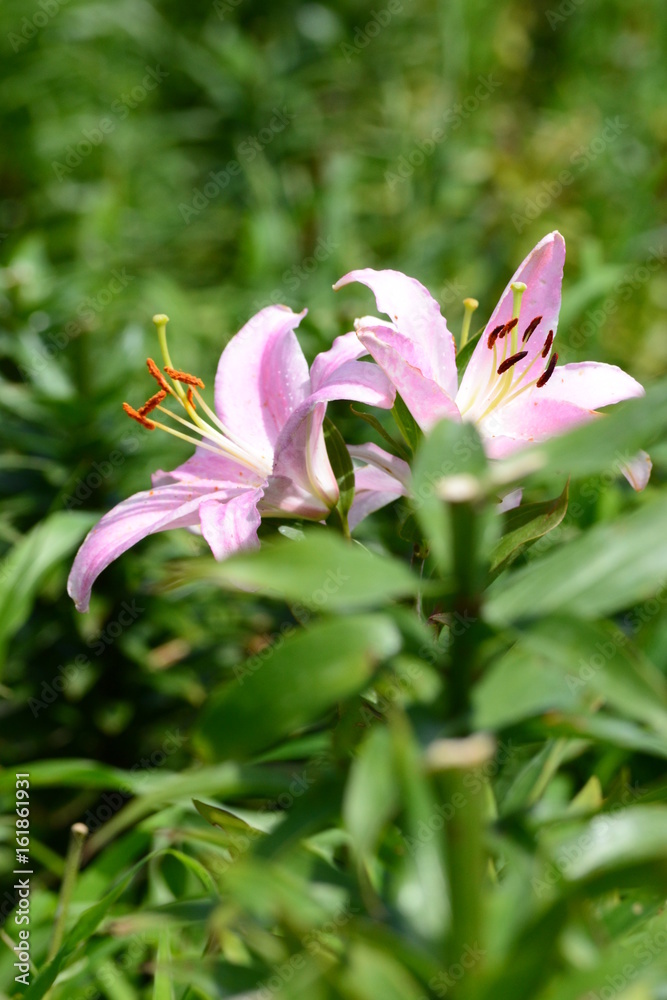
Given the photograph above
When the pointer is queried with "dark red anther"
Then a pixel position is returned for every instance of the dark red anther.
(508, 327)
(547, 344)
(511, 361)
(548, 372)
(493, 336)
(530, 329)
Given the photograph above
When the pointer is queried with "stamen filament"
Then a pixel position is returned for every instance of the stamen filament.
(225, 447)
(212, 415)
(186, 437)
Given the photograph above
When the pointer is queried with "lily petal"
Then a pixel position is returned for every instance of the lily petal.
(262, 377)
(205, 467)
(403, 361)
(638, 471)
(145, 513)
(591, 384)
(529, 419)
(542, 273)
(303, 483)
(338, 374)
(231, 525)
(371, 454)
(383, 479)
(416, 314)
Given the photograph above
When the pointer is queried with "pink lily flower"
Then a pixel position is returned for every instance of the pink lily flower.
(260, 453)
(512, 388)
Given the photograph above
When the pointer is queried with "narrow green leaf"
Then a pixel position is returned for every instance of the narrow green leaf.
(406, 424)
(196, 867)
(162, 985)
(82, 930)
(343, 469)
(24, 568)
(525, 525)
(295, 686)
(323, 572)
(465, 353)
(372, 791)
(610, 567)
(395, 446)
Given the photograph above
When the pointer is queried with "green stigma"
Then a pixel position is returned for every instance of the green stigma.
(518, 288)
(469, 305)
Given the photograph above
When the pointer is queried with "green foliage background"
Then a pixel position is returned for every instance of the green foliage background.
(552, 116)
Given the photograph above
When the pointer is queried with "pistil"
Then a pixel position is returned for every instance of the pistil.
(469, 305)
(184, 388)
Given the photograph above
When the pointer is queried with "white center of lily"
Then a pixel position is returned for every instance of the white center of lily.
(211, 434)
(506, 382)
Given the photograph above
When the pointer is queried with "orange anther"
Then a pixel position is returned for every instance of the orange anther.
(179, 376)
(151, 403)
(158, 376)
(191, 399)
(139, 417)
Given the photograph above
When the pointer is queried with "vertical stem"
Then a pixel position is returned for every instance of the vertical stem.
(466, 572)
(78, 835)
(458, 769)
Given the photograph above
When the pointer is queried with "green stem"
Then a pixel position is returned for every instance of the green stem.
(466, 608)
(458, 769)
(78, 835)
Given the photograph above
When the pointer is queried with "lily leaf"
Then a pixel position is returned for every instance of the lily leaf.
(407, 424)
(524, 526)
(341, 463)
